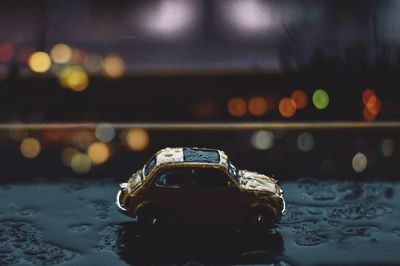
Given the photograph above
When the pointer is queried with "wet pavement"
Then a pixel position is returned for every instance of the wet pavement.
(76, 223)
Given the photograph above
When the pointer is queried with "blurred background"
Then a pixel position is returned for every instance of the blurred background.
(123, 65)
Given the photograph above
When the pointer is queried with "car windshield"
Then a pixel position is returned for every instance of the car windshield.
(149, 165)
(233, 171)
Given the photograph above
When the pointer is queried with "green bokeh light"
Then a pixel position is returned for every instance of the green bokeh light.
(320, 99)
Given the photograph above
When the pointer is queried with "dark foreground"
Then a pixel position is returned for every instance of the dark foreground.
(76, 223)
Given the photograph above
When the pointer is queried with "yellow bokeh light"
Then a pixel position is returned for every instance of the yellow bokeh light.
(61, 53)
(137, 139)
(98, 152)
(113, 66)
(74, 78)
(39, 62)
(30, 148)
(81, 163)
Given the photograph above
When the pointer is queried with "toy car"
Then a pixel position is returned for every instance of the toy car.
(199, 186)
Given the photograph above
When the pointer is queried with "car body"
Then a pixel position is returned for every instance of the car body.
(199, 186)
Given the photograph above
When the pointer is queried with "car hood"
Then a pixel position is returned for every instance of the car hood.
(135, 180)
(256, 181)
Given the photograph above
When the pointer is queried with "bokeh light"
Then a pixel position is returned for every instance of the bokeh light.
(61, 53)
(368, 116)
(249, 17)
(83, 138)
(53, 135)
(81, 163)
(320, 99)
(368, 96)
(39, 62)
(17, 134)
(67, 154)
(205, 109)
(359, 162)
(387, 147)
(30, 148)
(98, 152)
(262, 140)
(137, 139)
(257, 105)
(305, 141)
(375, 107)
(287, 107)
(113, 66)
(74, 78)
(372, 105)
(105, 132)
(237, 106)
(6, 51)
(93, 63)
(300, 98)
(169, 18)
(78, 56)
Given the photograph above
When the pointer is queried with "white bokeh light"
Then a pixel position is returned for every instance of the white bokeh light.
(359, 162)
(262, 140)
(169, 17)
(249, 16)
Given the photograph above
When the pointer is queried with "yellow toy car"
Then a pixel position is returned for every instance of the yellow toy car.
(199, 186)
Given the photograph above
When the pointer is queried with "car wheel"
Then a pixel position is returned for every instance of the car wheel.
(259, 218)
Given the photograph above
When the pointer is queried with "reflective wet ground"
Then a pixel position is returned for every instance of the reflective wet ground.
(76, 223)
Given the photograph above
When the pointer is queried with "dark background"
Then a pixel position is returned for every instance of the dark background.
(185, 61)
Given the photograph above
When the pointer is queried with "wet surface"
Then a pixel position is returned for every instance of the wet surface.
(76, 223)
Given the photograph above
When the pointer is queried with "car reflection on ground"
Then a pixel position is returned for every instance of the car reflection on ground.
(199, 244)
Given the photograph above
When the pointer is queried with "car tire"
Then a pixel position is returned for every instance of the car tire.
(260, 218)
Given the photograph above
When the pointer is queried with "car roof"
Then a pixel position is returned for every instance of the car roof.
(186, 155)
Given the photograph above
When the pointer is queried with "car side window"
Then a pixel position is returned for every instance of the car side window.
(208, 178)
(174, 178)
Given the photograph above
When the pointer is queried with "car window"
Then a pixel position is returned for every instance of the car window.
(171, 178)
(208, 178)
(200, 155)
(233, 171)
(150, 165)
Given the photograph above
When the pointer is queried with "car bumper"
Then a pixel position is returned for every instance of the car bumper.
(118, 202)
(283, 203)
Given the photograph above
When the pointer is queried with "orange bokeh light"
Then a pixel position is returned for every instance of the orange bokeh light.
(374, 108)
(367, 95)
(257, 105)
(368, 116)
(237, 106)
(372, 104)
(53, 135)
(6, 51)
(287, 107)
(300, 98)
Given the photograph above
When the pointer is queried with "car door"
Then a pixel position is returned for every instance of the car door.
(212, 196)
(167, 192)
